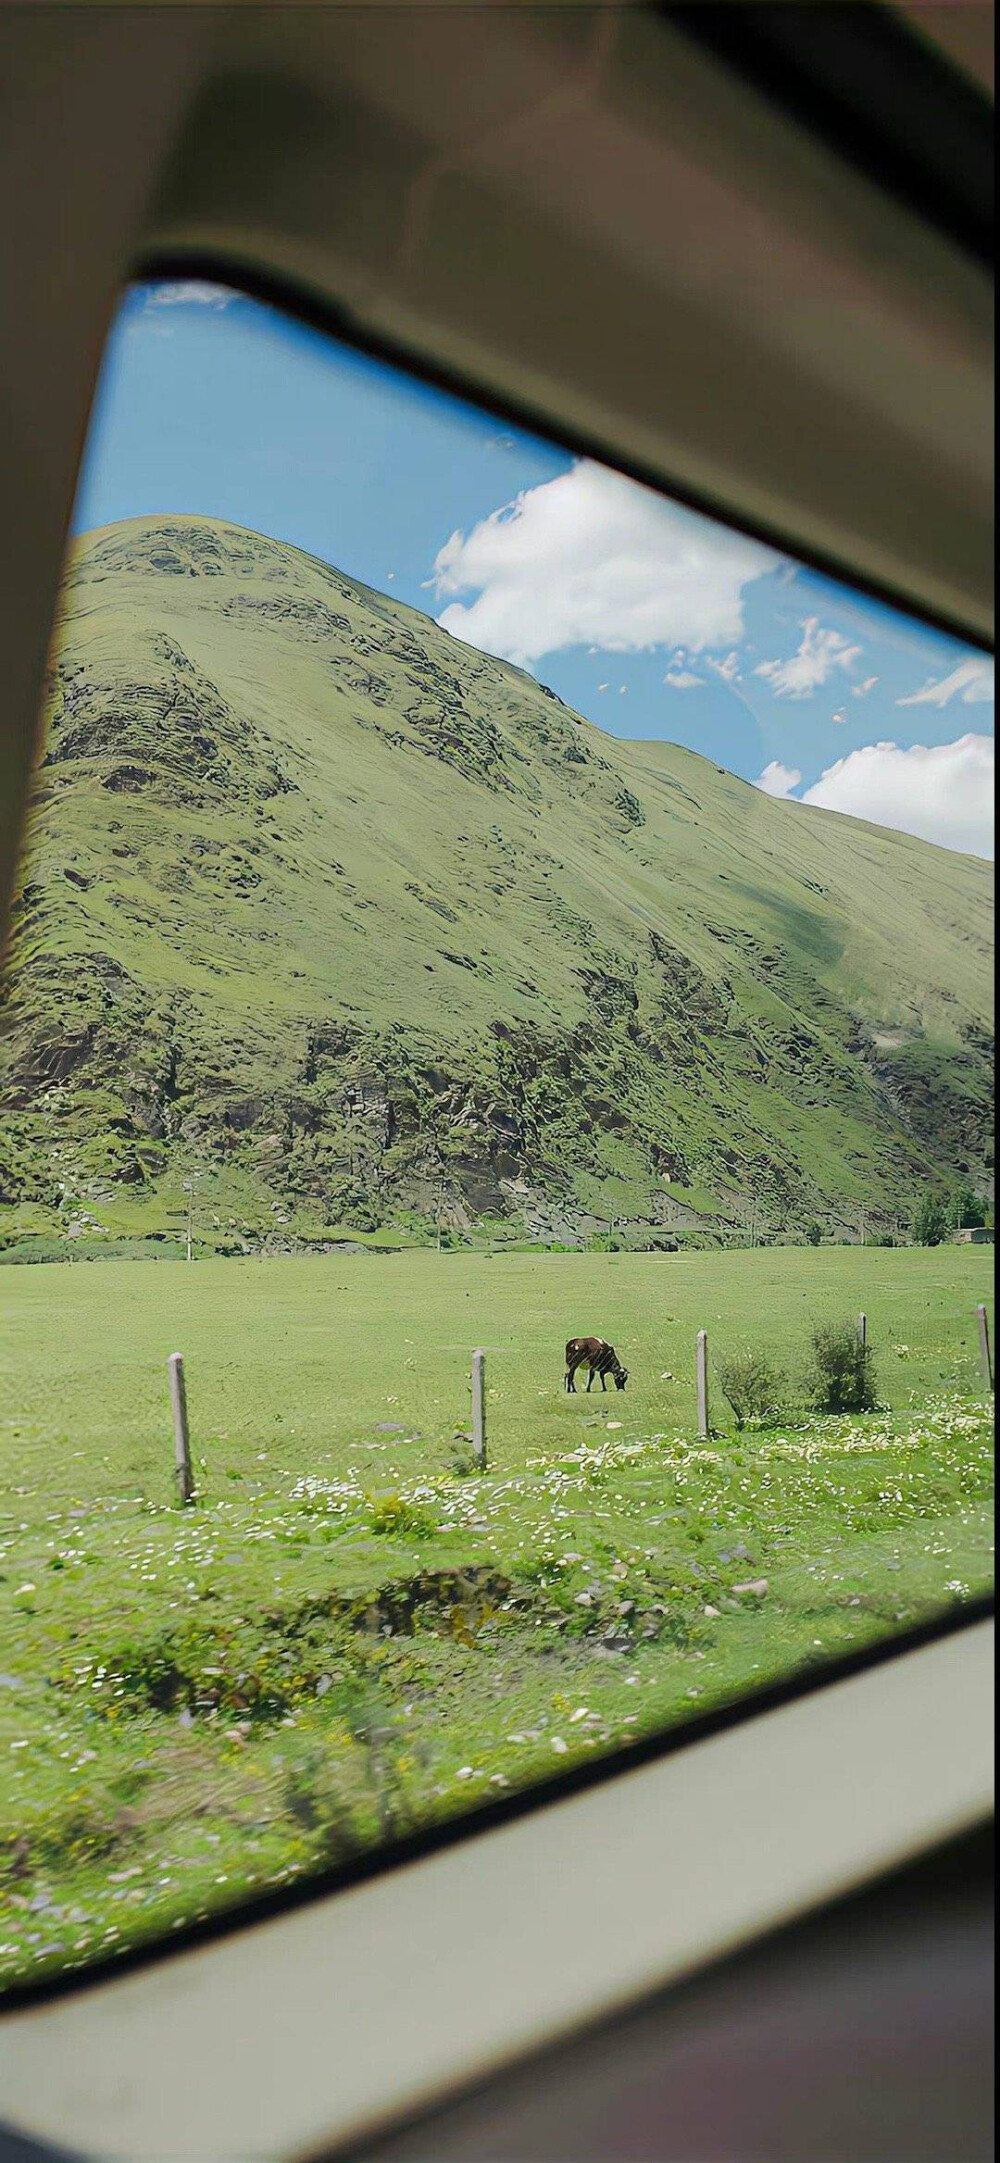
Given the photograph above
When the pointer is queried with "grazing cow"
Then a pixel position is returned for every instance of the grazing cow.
(600, 1358)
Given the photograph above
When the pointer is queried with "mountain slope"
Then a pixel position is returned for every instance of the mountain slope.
(355, 921)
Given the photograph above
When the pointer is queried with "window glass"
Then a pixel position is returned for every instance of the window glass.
(501, 986)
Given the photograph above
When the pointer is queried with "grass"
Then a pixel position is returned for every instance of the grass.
(351, 1635)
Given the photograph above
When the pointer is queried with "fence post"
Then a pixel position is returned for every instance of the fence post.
(985, 1353)
(479, 1409)
(863, 1331)
(182, 1446)
(701, 1366)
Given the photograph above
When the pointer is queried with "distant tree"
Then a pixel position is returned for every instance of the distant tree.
(930, 1220)
(968, 1210)
(814, 1235)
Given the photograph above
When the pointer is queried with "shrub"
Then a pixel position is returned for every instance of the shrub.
(754, 1387)
(394, 1514)
(842, 1378)
(814, 1235)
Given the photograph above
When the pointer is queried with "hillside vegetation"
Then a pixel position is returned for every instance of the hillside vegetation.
(360, 928)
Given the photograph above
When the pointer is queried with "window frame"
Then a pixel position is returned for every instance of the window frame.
(913, 1714)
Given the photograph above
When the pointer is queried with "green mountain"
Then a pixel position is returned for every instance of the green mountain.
(359, 927)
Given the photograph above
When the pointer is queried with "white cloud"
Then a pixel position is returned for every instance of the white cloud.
(941, 792)
(189, 292)
(841, 716)
(971, 682)
(593, 558)
(861, 690)
(682, 679)
(779, 780)
(819, 653)
(729, 669)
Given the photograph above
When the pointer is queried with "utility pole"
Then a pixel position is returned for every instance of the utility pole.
(437, 1166)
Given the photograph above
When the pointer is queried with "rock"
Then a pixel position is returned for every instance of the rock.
(756, 1585)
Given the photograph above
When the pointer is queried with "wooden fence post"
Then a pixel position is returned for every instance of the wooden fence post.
(182, 1446)
(863, 1331)
(479, 1409)
(985, 1353)
(701, 1365)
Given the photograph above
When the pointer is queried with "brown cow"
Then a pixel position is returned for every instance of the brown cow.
(599, 1357)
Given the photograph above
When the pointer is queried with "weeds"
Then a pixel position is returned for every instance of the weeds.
(754, 1386)
(398, 1516)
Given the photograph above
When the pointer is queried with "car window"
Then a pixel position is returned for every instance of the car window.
(496, 1153)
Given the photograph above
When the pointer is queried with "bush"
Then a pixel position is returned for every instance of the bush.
(393, 1514)
(842, 1377)
(814, 1235)
(754, 1387)
(930, 1221)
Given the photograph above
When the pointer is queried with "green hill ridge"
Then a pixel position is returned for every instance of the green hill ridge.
(361, 928)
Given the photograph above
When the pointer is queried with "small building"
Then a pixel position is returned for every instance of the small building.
(975, 1235)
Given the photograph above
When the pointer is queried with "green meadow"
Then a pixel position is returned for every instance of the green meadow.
(354, 1633)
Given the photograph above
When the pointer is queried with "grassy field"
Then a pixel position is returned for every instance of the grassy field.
(352, 1634)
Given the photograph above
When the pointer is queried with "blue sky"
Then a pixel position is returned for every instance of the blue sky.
(649, 620)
